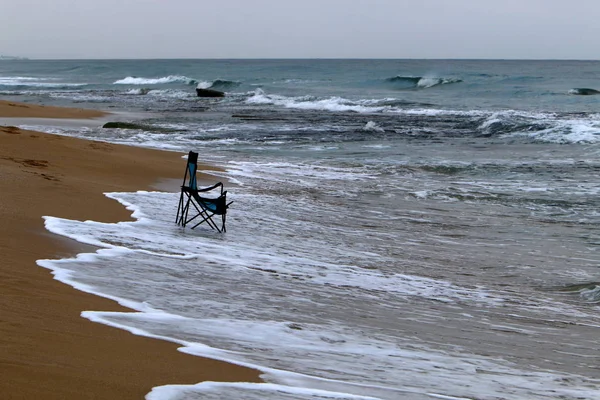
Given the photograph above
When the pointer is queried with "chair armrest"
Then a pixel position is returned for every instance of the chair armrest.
(208, 189)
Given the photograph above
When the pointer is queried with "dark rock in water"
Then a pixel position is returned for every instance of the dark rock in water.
(142, 127)
(209, 93)
(584, 91)
(246, 117)
(295, 326)
(123, 125)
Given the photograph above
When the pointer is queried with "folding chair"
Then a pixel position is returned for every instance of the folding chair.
(203, 208)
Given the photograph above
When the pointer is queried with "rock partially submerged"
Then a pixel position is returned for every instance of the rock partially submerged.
(584, 91)
(124, 125)
(131, 125)
(209, 93)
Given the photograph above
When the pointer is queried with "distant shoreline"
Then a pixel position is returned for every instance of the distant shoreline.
(12, 58)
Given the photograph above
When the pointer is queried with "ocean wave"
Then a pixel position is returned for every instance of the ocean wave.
(543, 127)
(139, 91)
(568, 132)
(311, 103)
(224, 84)
(588, 292)
(134, 80)
(15, 82)
(340, 104)
(441, 112)
(296, 81)
(170, 93)
(431, 82)
(372, 127)
(410, 79)
(81, 97)
(421, 82)
(584, 91)
(10, 79)
(43, 85)
(591, 294)
(512, 121)
(401, 103)
(218, 84)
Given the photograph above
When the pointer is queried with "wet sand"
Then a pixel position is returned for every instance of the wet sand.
(47, 350)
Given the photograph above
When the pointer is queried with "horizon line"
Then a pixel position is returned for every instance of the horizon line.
(20, 58)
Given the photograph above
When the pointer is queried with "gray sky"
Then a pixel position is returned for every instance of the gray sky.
(558, 29)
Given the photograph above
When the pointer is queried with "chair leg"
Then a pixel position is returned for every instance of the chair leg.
(179, 220)
(186, 212)
(182, 211)
(208, 219)
(206, 215)
(178, 210)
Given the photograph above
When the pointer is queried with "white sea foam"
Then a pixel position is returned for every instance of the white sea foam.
(373, 127)
(20, 78)
(543, 127)
(282, 171)
(435, 112)
(340, 104)
(248, 391)
(564, 131)
(138, 91)
(427, 82)
(172, 93)
(134, 80)
(591, 294)
(164, 93)
(228, 296)
(80, 96)
(204, 85)
(309, 103)
(35, 82)
(358, 263)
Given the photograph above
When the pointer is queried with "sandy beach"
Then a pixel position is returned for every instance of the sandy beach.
(47, 350)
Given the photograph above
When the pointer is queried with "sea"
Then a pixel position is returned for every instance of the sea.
(400, 229)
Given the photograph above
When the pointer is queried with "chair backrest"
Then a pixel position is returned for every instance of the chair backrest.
(191, 168)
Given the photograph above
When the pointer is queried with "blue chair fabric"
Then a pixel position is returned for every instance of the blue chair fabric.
(194, 205)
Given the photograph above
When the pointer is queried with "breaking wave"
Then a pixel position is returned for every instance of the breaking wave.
(224, 84)
(21, 82)
(420, 82)
(584, 91)
(372, 127)
(165, 93)
(542, 127)
(341, 104)
(135, 80)
(411, 79)
(140, 91)
(588, 292)
(311, 103)
(218, 84)
(539, 127)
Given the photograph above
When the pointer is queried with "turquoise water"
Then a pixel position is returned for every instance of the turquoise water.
(400, 228)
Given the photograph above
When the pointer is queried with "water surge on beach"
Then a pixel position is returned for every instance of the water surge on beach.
(437, 240)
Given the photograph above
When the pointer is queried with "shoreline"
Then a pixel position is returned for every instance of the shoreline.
(48, 350)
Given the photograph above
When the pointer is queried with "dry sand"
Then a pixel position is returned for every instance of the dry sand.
(47, 350)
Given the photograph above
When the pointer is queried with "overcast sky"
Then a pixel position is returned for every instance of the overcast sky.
(541, 29)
